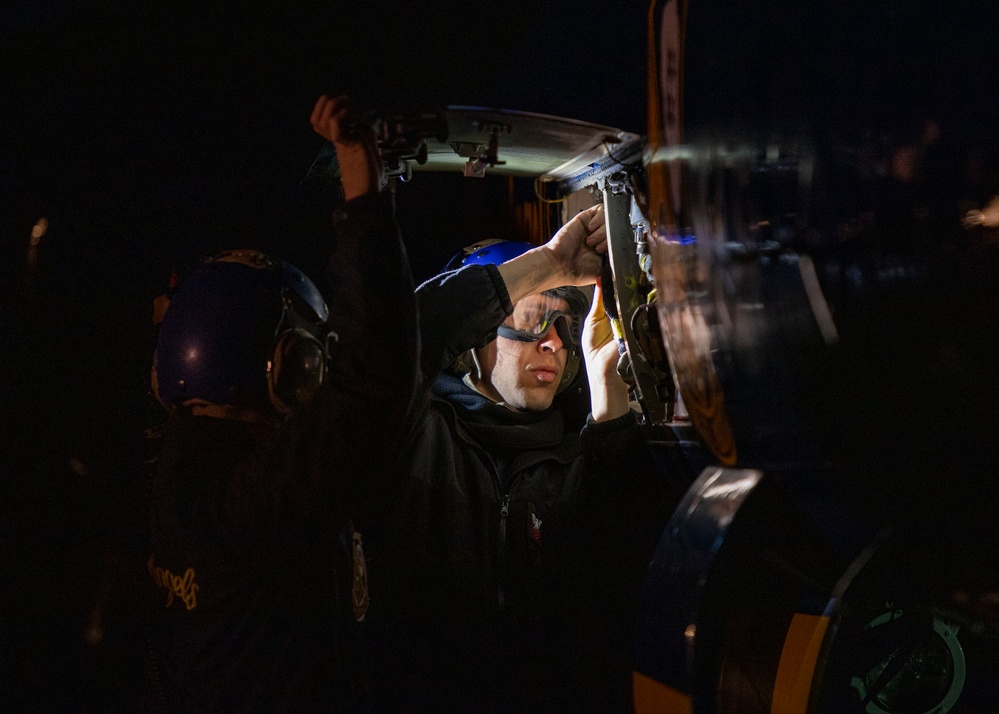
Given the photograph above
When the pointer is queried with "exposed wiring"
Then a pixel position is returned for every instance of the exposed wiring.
(537, 192)
(610, 153)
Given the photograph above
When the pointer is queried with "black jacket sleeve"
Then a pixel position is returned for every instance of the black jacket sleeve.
(459, 310)
(373, 312)
(351, 435)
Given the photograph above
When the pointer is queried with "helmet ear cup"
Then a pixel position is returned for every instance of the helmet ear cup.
(572, 364)
(297, 370)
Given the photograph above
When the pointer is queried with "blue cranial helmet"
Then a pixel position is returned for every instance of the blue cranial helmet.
(243, 330)
(488, 252)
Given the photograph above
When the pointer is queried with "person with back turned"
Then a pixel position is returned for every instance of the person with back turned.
(256, 549)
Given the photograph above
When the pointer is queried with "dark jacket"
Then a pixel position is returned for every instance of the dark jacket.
(486, 585)
(255, 548)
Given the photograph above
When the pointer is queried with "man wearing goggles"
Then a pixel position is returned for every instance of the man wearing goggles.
(536, 353)
(538, 314)
(485, 552)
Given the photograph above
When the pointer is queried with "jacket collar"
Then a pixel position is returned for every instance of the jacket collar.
(497, 425)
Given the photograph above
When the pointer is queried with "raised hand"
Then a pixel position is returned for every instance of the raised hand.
(578, 245)
(360, 165)
(571, 257)
(608, 391)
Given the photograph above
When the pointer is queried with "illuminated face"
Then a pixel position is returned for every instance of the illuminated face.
(524, 374)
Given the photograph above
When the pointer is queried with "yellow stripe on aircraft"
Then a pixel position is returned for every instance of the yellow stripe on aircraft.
(653, 697)
(797, 664)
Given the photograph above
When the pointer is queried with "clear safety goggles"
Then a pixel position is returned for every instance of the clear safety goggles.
(535, 315)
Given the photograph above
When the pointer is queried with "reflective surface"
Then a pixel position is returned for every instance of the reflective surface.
(679, 571)
(827, 270)
(824, 261)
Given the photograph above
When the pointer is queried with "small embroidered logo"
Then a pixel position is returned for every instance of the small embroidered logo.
(359, 590)
(535, 529)
(183, 586)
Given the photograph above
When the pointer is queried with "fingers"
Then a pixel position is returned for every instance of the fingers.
(321, 114)
(578, 261)
(597, 234)
(597, 240)
(591, 218)
(597, 332)
(596, 218)
(327, 115)
(597, 311)
(357, 157)
(581, 222)
(317, 111)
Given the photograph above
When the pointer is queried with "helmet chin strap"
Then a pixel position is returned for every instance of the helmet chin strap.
(476, 373)
(477, 379)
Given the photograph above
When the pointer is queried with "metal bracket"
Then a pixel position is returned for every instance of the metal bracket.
(627, 275)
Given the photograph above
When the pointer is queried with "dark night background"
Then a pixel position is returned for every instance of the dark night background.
(148, 136)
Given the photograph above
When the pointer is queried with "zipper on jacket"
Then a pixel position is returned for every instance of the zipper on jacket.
(504, 508)
(504, 512)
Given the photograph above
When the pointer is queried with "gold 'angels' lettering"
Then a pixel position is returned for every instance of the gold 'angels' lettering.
(182, 586)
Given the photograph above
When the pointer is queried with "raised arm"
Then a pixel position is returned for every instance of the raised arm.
(571, 257)
(370, 287)
(360, 166)
(458, 310)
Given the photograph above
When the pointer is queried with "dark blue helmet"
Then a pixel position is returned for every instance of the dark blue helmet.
(243, 330)
(494, 252)
(488, 252)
